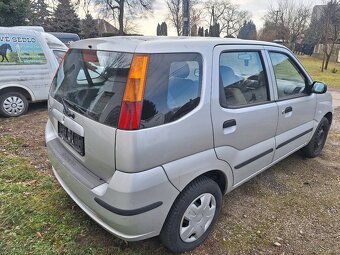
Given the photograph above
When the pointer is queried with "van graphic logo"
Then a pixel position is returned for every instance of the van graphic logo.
(21, 49)
(3, 51)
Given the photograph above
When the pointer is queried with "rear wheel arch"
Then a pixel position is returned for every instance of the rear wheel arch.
(25, 92)
(219, 177)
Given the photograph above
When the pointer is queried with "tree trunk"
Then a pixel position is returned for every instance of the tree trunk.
(121, 17)
(323, 61)
(329, 56)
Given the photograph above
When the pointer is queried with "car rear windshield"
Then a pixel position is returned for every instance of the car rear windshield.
(92, 82)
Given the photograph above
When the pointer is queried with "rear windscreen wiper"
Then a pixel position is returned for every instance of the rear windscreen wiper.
(66, 111)
(74, 107)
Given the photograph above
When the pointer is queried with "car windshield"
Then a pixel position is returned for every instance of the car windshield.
(92, 83)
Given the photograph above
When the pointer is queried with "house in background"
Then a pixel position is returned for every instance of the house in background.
(318, 49)
(105, 29)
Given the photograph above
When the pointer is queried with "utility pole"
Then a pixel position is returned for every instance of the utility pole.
(186, 17)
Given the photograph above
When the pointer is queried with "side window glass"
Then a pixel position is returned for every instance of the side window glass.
(20, 49)
(242, 79)
(289, 80)
(173, 87)
(183, 83)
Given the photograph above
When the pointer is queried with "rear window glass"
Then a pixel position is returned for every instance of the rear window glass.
(173, 87)
(92, 83)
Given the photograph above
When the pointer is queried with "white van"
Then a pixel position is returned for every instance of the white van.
(28, 61)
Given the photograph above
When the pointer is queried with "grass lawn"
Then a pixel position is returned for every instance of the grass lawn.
(38, 217)
(313, 66)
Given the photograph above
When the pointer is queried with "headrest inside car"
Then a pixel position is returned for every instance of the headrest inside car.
(179, 70)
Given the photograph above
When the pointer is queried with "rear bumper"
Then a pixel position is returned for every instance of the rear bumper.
(131, 206)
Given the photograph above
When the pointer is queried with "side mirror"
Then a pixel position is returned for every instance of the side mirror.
(319, 87)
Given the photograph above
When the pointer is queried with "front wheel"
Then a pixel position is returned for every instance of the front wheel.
(13, 104)
(192, 216)
(316, 144)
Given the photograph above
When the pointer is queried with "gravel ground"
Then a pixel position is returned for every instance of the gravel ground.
(292, 208)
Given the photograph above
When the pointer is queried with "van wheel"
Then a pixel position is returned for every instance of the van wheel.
(316, 144)
(192, 215)
(13, 104)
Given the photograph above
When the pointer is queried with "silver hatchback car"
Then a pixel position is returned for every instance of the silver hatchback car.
(145, 134)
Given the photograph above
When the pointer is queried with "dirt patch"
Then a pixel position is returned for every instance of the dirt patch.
(292, 208)
(30, 128)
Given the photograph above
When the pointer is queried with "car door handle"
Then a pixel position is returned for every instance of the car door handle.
(287, 110)
(229, 123)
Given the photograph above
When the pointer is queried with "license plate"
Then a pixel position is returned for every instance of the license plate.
(73, 139)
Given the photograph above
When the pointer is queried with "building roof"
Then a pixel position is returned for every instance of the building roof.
(104, 27)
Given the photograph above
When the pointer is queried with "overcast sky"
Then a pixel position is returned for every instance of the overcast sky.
(257, 9)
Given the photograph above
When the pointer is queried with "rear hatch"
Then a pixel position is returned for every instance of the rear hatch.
(85, 101)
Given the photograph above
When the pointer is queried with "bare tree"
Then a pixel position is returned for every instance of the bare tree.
(229, 16)
(130, 27)
(85, 5)
(120, 9)
(290, 19)
(331, 30)
(175, 14)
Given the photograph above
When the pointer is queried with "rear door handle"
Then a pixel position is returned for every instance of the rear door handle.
(229, 123)
(287, 110)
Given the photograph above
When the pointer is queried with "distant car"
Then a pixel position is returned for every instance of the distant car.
(146, 133)
(28, 61)
(66, 38)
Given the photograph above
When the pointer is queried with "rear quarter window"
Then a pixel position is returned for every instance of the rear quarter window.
(173, 87)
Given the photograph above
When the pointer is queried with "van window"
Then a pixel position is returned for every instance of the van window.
(92, 83)
(173, 87)
(20, 49)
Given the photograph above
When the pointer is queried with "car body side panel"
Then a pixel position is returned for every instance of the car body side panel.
(323, 106)
(288, 141)
(182, 171)
(237, 157)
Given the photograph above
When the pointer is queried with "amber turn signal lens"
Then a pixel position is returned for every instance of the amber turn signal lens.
(136, 80)
(131, 108)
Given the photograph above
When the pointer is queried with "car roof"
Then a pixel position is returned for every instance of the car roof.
(154, 43)
(64, 35)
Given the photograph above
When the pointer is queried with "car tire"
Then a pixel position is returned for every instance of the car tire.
(192, 216)
(316, 144)
(13, 104)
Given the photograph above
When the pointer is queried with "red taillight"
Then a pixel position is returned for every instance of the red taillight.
(131, 108)
(130, 115)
